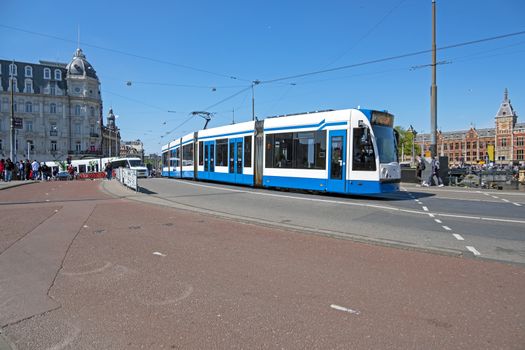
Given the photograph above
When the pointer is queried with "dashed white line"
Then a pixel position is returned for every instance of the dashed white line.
(495, 197)
(431, 215)
(446, 228)
(425, 208)
(505, 200)
(517, 204)
(473, 250)
(345, 309)
(458, 237)
(438, 221)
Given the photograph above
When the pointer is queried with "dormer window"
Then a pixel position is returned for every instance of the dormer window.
(12, 69)
(58, 74)
(28, 88)
(29, 72)
(47, 73)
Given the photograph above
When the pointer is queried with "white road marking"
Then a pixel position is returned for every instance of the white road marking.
(431, 215)
(517, 204)
(438, 221)
(505, 200)
(159, 254)
(85, 226)
(345, 309)
(486, 194)
(458, 237)
(353, 203)
(446, 228)
(425, 208)
(473, 250)
(495, 197)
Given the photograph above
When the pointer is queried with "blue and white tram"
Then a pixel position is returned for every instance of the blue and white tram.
(351, 151)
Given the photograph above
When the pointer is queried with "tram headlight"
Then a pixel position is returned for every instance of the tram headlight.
(384, 173)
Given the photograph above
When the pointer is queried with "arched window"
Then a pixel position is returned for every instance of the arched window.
(29, 72)
(29, 107)
(28, 88)
(47, 73)
(53, 108)
(77, 110)
(12, 69)
(58, 74)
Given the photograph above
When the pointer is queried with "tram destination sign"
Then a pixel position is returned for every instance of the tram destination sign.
(18, 123)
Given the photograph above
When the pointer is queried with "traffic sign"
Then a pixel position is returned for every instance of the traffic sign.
(18, 123)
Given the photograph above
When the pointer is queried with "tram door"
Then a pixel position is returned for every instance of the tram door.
(235, 164)
(337, 163)
(209, 158)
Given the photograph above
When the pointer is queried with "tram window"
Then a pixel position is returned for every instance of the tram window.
(175, 157)
(81, 168)
(222, 152)
(247, 151)
(302, 150)
(364, 158)
(165, 159)
(201, 153)
(187, 155)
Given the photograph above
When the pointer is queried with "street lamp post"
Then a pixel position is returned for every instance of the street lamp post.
(414, 133)
(12, 140)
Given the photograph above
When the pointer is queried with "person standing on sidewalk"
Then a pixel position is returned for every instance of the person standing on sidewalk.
(109, 170)
(9, 168)
(434, 173)
(2, 169)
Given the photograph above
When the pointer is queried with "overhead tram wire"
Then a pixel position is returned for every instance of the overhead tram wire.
(126, 53)
(207, 108)
(392, 58)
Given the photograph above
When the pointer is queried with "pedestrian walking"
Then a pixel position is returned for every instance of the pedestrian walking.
(420, 167)
(434, 173)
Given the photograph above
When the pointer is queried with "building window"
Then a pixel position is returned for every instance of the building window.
(53, 108)
(519, 154)
(519, 141)
(78, 146)
(28, 88)
(29, 107)
(47, 73)
(29, 125)
(53, 131)
(77, 128)
(52, 89)
(77, 110)
(14, 82)
(30, 145)
(58, 74)
(29, 72)
(53, 145)
(504, 142)
(12, 69)
(92, 111)
(0, 144)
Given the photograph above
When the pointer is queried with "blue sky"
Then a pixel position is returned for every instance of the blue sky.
(180, 56)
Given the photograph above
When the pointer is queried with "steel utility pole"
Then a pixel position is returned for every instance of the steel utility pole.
(433, 88)
(12, 141)
(255, 82)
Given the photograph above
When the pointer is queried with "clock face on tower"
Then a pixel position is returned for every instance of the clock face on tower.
(77, 89)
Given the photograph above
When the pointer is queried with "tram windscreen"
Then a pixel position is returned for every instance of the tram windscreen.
(386, 143)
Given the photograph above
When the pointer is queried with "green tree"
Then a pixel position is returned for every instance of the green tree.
(406, 139)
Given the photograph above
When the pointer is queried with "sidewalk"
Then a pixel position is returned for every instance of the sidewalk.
(14, 183)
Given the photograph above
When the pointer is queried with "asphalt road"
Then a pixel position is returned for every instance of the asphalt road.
(84, 267)
(484, 224)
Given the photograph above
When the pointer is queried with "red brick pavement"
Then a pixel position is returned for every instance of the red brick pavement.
(145, 276)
